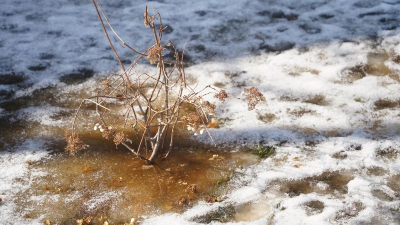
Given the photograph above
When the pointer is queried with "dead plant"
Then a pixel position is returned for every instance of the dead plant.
(151, 103)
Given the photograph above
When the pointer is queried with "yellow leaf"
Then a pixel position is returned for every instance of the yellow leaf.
(167, 206)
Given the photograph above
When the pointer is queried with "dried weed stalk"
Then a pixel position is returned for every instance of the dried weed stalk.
(150, 105)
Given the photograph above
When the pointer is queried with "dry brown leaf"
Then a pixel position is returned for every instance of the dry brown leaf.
(87, 170)
(182, 201)
(167, 207)
(192, 188)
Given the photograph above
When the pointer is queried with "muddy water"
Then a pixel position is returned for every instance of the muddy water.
(112, 185)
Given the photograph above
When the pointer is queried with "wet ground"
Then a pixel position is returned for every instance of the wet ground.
(109, 184)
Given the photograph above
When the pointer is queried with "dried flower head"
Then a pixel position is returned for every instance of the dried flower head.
(148, 20)
(120, 137)
(154, 54)
(222, 95)
(254, 96)
(74, 143)
(193, 120)
(108, 132)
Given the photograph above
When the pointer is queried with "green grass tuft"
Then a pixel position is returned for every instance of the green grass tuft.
(264, 152)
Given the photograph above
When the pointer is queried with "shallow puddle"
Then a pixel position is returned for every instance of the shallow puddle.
(113, 185)
(375, 66)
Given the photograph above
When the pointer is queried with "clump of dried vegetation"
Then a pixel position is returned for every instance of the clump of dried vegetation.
(150, 105)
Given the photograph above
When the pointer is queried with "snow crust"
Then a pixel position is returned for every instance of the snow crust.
(297, 53)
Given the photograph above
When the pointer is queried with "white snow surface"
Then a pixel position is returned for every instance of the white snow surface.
(16, 176)
(292, 51)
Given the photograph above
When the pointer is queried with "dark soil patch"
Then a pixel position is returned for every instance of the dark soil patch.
(12, 78)
(314, 207)
(386, 104)
(39, 67)
(77, 77)
(316, 100)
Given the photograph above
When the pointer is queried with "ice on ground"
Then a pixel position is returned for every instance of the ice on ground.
(329, 71)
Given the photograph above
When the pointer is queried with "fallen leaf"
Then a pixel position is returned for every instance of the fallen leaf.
(167, 207)
(46, 187)
(48, 222)
(210, 199)
(182, 201)
(296, 159)
(192, 188)
(87, 170)
(297, 166)
(213, 123)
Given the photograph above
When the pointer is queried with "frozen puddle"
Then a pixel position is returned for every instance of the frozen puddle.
(111, 185)
(329, 71)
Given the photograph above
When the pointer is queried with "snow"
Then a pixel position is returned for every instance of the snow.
(297, 53)
(16, 176)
